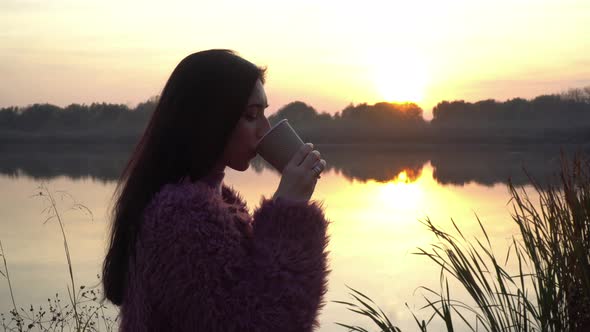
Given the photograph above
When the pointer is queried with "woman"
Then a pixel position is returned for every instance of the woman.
(185, 254)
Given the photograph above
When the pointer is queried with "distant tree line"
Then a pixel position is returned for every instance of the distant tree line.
(561, 117)
(94, 122)
(569, 109)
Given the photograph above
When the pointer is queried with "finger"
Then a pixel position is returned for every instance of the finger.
(311, 159)
(301, 153)
(321, 163)
(314, 173)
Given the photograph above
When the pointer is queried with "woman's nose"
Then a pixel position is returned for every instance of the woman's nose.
(263, 128)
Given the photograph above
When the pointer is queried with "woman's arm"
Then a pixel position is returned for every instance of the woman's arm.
(290, 241)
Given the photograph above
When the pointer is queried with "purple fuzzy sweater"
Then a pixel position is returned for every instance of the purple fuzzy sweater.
(203, 263)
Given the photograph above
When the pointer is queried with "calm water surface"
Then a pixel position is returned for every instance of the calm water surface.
(374, 198)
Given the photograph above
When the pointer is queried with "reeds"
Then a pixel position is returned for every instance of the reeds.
(556, 239)
(83, 312)
(550, 291)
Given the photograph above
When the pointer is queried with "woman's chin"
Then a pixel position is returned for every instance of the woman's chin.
(240, 168)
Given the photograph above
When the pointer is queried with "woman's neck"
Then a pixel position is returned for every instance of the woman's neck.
(215, 177)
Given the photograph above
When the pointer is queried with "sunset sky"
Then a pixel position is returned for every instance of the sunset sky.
(326, 53)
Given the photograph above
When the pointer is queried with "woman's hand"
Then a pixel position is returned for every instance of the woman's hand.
(298, 180)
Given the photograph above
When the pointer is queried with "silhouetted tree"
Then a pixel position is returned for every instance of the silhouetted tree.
(295, 112)
(580, 95)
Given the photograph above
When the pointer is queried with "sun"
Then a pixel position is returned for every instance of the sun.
(399, 77)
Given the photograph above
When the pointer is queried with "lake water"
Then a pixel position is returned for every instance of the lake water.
(374, 196)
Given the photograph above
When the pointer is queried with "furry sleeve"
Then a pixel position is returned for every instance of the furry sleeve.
(203, 274)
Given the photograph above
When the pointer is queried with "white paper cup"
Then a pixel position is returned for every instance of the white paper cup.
(279, 145)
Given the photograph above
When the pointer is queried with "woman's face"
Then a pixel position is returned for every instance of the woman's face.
(253, 124)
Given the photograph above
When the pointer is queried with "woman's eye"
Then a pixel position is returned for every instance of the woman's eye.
(250, 117)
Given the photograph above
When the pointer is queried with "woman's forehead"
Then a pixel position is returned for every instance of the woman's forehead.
(258, 96)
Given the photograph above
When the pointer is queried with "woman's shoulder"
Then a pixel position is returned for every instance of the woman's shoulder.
(188, 202)
(180, 201)
(184, 194)
(191, 192)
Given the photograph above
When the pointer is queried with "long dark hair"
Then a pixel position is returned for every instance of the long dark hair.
(198, 109)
